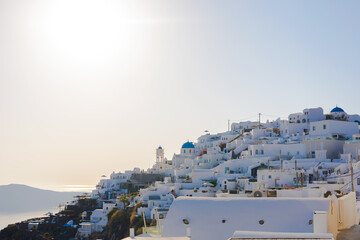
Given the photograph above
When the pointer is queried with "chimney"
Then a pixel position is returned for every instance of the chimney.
(188, 232)
(132, 233)
(320, 222)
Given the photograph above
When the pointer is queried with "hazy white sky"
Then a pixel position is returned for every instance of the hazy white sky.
(90, 87)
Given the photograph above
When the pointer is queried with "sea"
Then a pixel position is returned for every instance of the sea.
(6, 219)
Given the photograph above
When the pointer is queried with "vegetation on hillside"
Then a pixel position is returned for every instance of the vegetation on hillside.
(119, 223)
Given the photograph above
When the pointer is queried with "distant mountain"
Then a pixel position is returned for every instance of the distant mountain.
(17, 198)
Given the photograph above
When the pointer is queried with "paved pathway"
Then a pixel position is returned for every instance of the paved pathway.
(350, 234)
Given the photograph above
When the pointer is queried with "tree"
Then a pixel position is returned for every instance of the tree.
(124, 199)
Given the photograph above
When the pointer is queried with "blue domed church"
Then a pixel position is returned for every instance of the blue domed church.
(186, 157)
(188, 148)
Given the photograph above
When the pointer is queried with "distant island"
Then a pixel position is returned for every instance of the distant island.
(18, 198)
(22, 205)
(19, 201)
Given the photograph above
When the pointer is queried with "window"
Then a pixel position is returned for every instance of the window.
(257, 152)
(313, 128)
(358, 181)
(324, 126)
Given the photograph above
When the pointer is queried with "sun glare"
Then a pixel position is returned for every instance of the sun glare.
(90, 34)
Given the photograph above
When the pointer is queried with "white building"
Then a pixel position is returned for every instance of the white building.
(333, 129)
(157, 197)
(332, 146)
(308, 115)
(186, 157)
(113, 183)
(211, 158)
(98, 220)
(242, 126)
(353, 147)
(219, 218)
(288, 128)
(276, 150)
(278, 178)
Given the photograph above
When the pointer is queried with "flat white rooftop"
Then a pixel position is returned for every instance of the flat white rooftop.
(153, 237)
(219, 218)
(279, 235)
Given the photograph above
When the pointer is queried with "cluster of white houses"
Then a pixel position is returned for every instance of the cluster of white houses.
(297, 177)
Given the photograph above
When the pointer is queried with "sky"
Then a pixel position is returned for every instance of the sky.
(91, 87)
